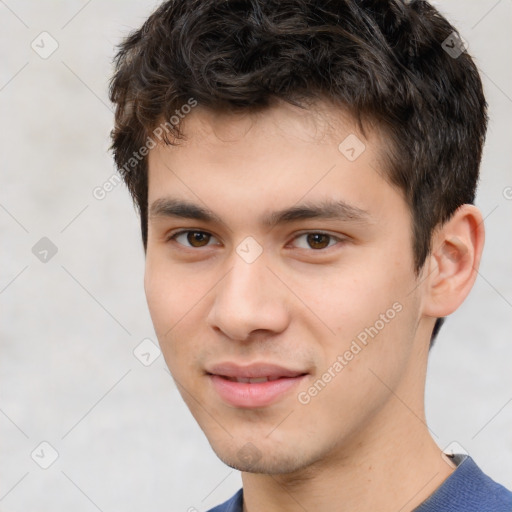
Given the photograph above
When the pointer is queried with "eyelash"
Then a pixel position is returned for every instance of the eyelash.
(174, 235)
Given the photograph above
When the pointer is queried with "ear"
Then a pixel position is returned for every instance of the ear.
(454, 261)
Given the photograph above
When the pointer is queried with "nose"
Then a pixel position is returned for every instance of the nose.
(250, 298)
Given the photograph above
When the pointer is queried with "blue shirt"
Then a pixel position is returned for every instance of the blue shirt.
(467, 489)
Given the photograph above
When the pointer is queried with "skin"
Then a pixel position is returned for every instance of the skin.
(362, 442)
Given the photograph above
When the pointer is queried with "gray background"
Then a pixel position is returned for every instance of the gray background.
(69, 377)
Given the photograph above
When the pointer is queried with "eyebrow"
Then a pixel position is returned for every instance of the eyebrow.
(326, 209)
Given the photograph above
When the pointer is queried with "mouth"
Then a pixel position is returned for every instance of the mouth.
(249, 380)
(253, 386)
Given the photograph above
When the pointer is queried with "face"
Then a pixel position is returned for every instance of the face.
(280, 281)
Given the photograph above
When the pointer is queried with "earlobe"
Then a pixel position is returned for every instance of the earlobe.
(454, 261)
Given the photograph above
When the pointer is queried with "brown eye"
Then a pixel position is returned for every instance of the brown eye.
(192, 238)
(198, 238)
(316, 241)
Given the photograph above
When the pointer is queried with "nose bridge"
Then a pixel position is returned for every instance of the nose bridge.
(249, 297)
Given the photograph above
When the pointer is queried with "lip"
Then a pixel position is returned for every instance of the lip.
(253, 394)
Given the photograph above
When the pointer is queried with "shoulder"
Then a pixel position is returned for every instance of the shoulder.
(234, 504)
(468, 489)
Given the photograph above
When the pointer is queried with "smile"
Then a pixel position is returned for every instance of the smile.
(253, 386)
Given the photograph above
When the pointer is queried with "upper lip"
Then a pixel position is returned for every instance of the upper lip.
(253, 371)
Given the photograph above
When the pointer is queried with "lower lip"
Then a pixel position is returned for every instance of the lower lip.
(251, 395)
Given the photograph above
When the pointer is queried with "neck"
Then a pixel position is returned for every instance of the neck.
(388, 467)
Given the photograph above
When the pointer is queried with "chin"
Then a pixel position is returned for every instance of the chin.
(270, 461)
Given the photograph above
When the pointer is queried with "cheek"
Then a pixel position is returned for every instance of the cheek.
(366, 361)
(368, 305)
(176, 302)
(351, 299)
(166, 302)
(171, 292)
(161, 298)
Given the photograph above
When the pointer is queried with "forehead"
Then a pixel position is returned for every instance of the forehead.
(251, 162)
(320, 123)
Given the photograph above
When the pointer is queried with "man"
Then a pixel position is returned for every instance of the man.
(305, 173)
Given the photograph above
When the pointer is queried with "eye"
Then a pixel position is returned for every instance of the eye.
(317, 240)
(195, 238)
(312, 240)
